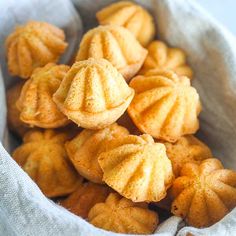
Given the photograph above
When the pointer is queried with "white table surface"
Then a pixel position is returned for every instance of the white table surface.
(223, 10)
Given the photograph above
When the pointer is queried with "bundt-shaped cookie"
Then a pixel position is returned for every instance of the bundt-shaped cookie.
(136, 167)
(85, 197)
(35, 102)
(187, 149)
(160, 57)
(121, 215)
(33, 45)
(131, 16)
(117, 45)
(13, 114)
(205, 193)
(84, 148)
(93, 94)
(43, 157)
(165, 105)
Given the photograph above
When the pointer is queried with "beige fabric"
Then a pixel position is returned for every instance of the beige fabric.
(211, 53)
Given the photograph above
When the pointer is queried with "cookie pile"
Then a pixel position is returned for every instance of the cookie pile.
(113, 133)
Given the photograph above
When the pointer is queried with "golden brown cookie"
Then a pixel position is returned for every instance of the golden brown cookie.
(121, 215)
(85, 197)
(131, 16)
(136, 167)
(93, 94)
(33, 45)
(115, 44)
(13, 114)
(35, 102)
(165, 105)
(84, 148)
(44, 158)
(205, 193)
(161, 57)
(187, 149)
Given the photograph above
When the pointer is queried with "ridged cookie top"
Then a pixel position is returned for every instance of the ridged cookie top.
(33, 45)
(121, 215)
(35, 102)
(162, 57)
(85, 197)
(131, 16)
(115, 44)
(165, 105)
(136, 167)
(93, 94)
(186, 149)
(44, 158)
(205, 193)
(83, 150)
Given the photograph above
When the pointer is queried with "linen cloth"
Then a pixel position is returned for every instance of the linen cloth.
(211, 51)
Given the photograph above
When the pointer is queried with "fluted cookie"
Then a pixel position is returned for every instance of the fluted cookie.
(83, 150)
(33, 45)
(44, 158)
(85, 197)
(131, 16)
(115, 44)
(165, 105)
(205, 193)
(187, 149)
(136, 167)
(162, 57)
(121, 215)
(35, 102)
(93, 94)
